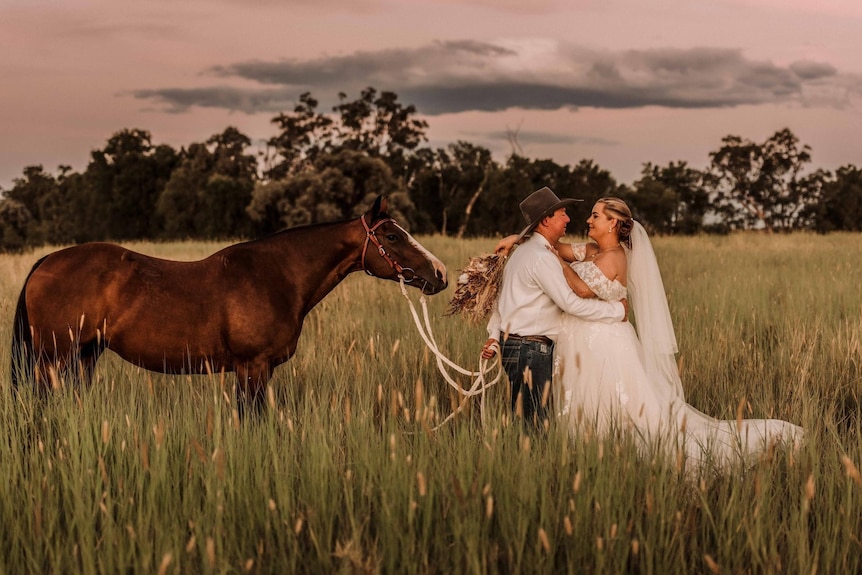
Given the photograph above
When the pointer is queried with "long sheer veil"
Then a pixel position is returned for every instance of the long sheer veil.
(652, 316)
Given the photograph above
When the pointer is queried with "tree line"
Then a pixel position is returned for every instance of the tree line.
(327, 166)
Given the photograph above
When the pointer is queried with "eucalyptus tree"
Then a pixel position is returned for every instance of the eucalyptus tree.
(840, 206)
(123, 183)
(302, 135)
(339, 186)
(496, 212)
(761, 185)
(448, 185)
(208, 192)
(15, 219)
(671, 199)
(32, 194)
(381, 126)
(375, 124)
(50, 205)
(589, 182)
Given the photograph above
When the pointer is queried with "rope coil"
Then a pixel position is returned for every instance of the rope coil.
(480, 384)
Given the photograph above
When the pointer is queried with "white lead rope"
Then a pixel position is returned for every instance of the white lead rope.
(480, 384)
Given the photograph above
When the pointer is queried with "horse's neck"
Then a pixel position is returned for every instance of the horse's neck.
(329, 252)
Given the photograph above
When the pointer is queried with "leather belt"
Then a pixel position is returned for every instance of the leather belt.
(514, 337)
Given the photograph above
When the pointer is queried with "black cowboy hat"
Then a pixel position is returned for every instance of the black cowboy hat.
(539, 204)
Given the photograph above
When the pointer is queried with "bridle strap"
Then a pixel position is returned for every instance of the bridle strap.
(371, 237)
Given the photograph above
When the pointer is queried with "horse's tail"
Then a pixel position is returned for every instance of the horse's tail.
(23, 357)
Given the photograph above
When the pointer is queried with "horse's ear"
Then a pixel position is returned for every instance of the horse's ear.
(379, 207)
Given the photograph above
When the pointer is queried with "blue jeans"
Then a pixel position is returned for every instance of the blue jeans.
(530, 367)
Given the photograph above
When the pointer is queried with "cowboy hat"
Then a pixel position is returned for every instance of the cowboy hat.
(539, 204)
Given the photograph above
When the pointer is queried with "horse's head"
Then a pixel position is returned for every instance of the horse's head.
(391, 253)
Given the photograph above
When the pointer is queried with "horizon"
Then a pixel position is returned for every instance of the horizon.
(622, 85)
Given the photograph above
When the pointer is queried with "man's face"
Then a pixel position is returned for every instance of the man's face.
(555, 225)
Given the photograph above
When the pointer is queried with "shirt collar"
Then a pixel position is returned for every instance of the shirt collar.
(537, 237)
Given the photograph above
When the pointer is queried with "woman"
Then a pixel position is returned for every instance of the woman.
(611, 379)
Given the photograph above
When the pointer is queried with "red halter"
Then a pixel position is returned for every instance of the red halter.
(371, 237)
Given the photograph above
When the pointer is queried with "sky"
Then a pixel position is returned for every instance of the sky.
(619, 82)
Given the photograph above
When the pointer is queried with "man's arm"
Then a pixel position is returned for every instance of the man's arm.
(550, 277)
(492, 344)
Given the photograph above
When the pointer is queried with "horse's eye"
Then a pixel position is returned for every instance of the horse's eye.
(391, 237)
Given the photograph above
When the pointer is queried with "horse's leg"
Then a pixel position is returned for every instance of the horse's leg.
(50, 364)
(252, 378)
(88, 355)
(72, 363)
(46, 375)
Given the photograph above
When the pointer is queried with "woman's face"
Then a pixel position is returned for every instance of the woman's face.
(598, 222)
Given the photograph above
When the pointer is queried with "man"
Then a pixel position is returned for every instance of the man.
(533, 296)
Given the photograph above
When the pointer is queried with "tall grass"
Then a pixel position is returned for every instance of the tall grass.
(155, 473)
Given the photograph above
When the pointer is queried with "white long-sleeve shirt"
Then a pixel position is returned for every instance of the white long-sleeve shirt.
(534, 295)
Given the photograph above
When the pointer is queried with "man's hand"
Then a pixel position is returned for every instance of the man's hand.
(491, 347)
(625, 303)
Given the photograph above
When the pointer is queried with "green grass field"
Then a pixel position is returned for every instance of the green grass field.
(147, 473)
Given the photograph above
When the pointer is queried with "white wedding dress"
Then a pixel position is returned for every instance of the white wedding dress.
(608, 380)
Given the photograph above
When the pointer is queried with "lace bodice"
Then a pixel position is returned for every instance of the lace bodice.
(608, 290)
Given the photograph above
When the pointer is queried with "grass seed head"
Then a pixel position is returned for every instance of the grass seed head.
(711, 564)
(851, 470)
(809, 488)
(211, 558)
(106, 432)
(166, 562)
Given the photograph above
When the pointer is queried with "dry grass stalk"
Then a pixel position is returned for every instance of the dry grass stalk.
(478, 287)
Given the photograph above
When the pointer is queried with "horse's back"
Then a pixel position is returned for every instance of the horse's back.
(67, 273)
(102, 286)
(157, 313)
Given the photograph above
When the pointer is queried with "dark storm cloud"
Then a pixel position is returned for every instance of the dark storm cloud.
(178, 100)
(812, 70)
(532, 137)
(492, 97)
(398, 67)
(451, 77)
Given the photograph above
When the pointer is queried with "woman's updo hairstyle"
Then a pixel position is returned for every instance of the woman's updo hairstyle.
(617, 209)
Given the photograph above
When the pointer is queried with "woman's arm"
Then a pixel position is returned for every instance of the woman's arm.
(564, 250)
(575, 282)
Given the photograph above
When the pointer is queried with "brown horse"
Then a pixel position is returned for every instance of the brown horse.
(240, 309)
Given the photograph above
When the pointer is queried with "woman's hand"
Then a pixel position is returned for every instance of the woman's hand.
(505, 245)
